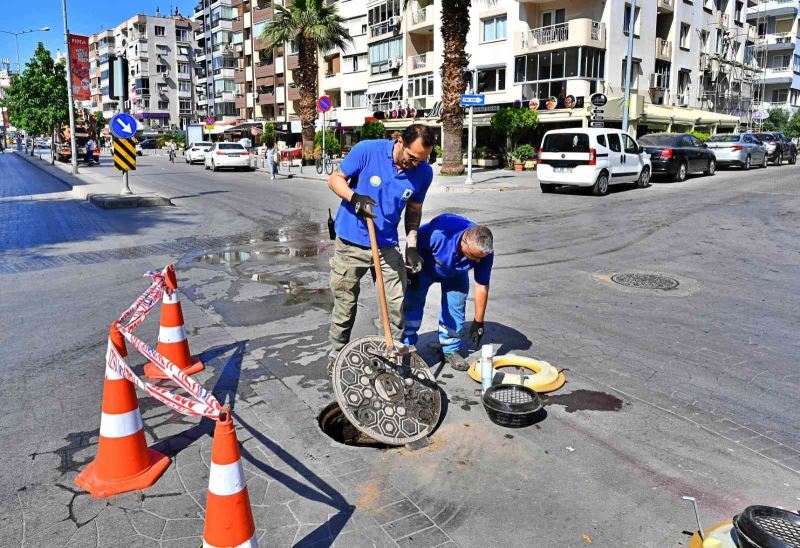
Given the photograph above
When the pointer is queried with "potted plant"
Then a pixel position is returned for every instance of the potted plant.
(437, 151)
(521, 155)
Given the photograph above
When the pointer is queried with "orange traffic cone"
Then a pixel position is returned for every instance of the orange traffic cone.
(229, 518)
(172, 341)
(123, 462)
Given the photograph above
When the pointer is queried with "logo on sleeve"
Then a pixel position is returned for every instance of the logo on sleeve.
(407, 194)
(375, 181)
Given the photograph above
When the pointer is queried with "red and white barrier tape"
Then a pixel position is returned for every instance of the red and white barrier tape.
(202, 403)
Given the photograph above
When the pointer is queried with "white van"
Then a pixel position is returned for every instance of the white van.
(591, 157)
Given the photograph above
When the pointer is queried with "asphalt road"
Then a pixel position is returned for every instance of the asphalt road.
(690, 390)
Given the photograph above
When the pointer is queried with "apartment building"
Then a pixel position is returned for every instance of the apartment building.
(776, 50)
(161, 59)
(216, 59)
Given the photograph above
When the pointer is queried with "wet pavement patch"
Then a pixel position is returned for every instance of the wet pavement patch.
(585, 400)
(645, 281)
(230, 258)
(335, 425)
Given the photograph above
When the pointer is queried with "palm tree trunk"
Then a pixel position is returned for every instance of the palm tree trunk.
(307, 83)
(455, 28)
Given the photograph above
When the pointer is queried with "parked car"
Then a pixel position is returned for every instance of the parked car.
(678, 154)
(149, 144)
(738, 149)
(777, 150)
(197, 151)
(591, 157)
(789, 146)
(231, 155)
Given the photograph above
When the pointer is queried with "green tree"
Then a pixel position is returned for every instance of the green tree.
(793, 127)
(373, 130)
(269, 135)
(37, 99)
(99, 122)
(314, 25)
(516, 123)
(332, 146)
(777, 120)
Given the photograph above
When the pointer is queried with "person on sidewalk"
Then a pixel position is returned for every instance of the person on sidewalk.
(450, 246)
(390, 176)
(90, 151)
(270, 154)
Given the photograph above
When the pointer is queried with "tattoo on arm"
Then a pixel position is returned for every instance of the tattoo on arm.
(413, 219)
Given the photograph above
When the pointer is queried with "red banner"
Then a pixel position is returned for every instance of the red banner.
(79, 58)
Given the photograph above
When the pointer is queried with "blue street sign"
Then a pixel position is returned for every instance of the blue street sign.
(324, 103)
(123, 125)
(472, 100)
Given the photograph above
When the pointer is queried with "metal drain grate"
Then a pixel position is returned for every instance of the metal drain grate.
(785, 530)
(510, 394)
(645, 281)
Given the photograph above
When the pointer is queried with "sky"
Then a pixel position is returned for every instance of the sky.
(85, 17)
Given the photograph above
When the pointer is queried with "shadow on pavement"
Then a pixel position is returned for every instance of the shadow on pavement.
(495, 333)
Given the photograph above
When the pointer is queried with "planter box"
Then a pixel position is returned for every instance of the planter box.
(488, 162)
(530, 164)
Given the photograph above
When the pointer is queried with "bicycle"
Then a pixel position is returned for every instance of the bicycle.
(325, 165)
(172, 156)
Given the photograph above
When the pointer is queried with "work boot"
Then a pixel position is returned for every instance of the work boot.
(456, 361)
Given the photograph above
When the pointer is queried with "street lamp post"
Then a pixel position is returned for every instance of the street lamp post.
(16, 40)
(72, 145)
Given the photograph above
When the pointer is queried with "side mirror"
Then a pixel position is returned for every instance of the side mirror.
(705, 145)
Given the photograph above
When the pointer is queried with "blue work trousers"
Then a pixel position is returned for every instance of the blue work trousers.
(453, 309)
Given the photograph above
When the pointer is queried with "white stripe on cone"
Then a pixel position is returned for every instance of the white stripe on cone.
(252, 543)
(171, 334)
(170, 299)
(110, 373)
(226, 479)
(119, 426)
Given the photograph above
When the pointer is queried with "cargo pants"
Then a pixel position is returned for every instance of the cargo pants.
(348, 265)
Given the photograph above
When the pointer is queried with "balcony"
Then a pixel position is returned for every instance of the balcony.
(778, 75)
(390, 26)
(780, 40)
(241, 102)
(331, 82)
(262, 14)
(239, 76)
(184, 93)
(225, 96)
(420, 63)
(265, 69)
(221, 24)
(421, 19)
(666, 6)
(663, 50)
(237, 24)
(266, 98)
(293, 62)
(294, 93)
(772, 8)
(224, 73)
(577, 32)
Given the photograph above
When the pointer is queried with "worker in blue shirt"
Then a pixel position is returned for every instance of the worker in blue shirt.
(451, 246)
(389, 176)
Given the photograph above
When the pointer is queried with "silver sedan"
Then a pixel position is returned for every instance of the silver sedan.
(740, 149)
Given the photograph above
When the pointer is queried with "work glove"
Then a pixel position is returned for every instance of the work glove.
(476, 332)
(360, 203)
(413, 260)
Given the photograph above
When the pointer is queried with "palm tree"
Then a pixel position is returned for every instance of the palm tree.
(314, 26)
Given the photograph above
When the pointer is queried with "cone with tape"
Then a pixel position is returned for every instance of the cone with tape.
(123, 462)
(229, 518)
(173, 343)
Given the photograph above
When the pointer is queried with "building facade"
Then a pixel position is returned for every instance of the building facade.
(216, 60)
(161, 60)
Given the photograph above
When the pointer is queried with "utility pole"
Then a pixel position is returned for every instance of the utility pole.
(73, 146)
(474, 86)
(628, 68)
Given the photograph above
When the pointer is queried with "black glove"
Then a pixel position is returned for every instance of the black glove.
(360, 203)
(413, 260)
(476, 332)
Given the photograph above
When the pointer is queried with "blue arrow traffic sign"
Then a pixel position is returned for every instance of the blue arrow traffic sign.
(472, 100)
(123, 125)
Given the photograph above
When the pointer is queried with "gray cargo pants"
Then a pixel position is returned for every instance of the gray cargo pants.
(348, 266)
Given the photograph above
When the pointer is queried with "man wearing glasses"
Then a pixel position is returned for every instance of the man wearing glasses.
(451, 246)
(389, 176)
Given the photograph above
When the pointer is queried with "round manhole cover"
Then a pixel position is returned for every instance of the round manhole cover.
(645, 281)
(394, 403)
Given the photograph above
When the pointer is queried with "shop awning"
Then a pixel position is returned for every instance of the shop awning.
(686, 116)
(387, 86)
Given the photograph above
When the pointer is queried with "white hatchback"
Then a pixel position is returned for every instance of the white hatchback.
(197, 151)
(231, 155)
(591, 157)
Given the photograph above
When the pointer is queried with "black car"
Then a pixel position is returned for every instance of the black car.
(777, 149)
(790, 147)
(678, 154)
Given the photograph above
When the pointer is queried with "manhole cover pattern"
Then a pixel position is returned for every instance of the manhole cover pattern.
(390, 402)
(645, 281)
(787, 531)
(511, 395)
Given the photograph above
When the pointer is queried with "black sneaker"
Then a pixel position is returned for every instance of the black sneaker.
(456, 361)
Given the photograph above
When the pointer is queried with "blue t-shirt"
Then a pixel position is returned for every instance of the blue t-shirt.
(370, 168)
(439, 243)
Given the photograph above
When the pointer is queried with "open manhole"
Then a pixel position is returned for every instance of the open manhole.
(336, 426)
(645, 281)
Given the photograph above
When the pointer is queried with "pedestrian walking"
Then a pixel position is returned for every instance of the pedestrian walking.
(389, 176)
(450, 246)
(270, 154)
(90, 151)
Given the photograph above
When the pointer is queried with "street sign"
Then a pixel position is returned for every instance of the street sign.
(124, 155)
(123, 125)
(596, 124)
(598, 99)
(472, 100)
(210, 121)
(760, 115)
(324, 103)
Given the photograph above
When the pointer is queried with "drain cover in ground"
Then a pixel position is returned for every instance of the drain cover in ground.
(394, 404)
(645, 281)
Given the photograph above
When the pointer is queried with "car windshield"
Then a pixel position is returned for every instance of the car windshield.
(658, 139)
(566, 142)
(765, 136)
(203, 144)
(723, 138)
(230, 146)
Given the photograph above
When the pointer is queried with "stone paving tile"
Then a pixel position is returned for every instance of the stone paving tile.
(312, 535)
(113, 525)
(407, 525)
(55, 535)
(147, 523)
(172, 506)
(310, 511)
(83, 537)
(427, 538)
(780, 452)
(278, 537)
(182, 528)
(394, 511)
(274, 516)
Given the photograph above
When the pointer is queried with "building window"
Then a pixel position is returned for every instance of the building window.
(163, 105)
(779, 62)
(493, 79)
(420, 86)
(796, 63)
(780, 95)
(627, 20)
(185, 86)
(162, 49)
(145, 103)
(583, 62)
(182, 35)
(635, 72)
(184, 50)
(259, 28)
(183, 68)
(355, 99)
(493, 28)
(160, 31)
(381, 18)
(685, 34)
(553, 17)
(382, 53)
(161, 68)
(185, 107)
(783, 25)
(738, 13)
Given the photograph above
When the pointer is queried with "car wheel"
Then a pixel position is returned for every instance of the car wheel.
(778, 159)
(644, 179)
(213, 166)
(711, 169)
(600, 187)
(765, 162)
(746, 165)
(680, 175)
(546, 189)
(205, 165)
